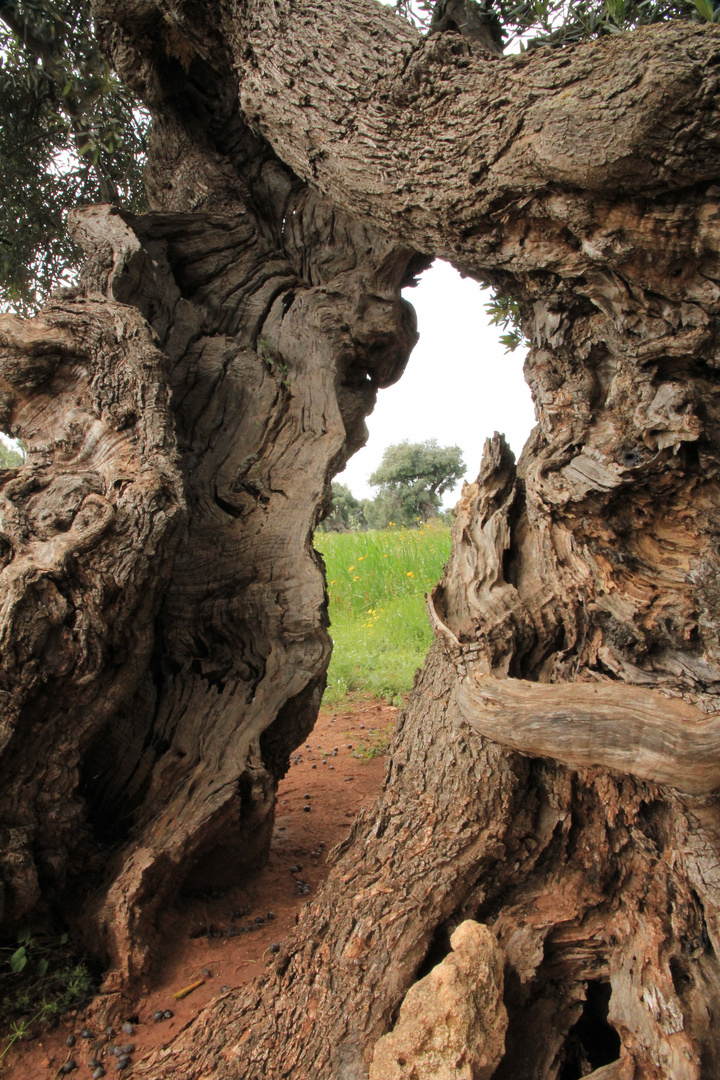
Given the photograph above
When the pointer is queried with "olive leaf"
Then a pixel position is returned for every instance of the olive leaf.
(18, 960)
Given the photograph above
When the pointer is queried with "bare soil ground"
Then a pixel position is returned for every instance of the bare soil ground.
(222, 939)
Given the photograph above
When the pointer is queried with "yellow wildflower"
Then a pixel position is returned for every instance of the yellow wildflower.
(410, 574)
(356, 577)
(351, 567)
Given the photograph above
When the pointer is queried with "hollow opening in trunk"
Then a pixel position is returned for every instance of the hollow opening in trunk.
(592, 1041)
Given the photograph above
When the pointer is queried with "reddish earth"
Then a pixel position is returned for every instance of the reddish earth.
(199, 937)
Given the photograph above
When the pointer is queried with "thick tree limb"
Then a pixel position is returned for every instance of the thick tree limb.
(608, 725)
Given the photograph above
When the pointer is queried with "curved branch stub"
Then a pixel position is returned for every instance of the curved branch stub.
(611, 726)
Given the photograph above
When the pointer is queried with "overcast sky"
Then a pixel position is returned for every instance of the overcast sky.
(459, 386)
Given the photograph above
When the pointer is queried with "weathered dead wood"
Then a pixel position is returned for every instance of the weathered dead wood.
(607, 725)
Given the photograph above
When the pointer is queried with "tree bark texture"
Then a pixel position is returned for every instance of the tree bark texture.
(554, 775)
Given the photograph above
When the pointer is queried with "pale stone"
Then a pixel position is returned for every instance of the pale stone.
(452, 1023)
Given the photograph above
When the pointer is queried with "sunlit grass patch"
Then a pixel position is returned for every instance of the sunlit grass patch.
(379, 626)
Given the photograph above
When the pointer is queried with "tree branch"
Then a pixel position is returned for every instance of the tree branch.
(608, 725)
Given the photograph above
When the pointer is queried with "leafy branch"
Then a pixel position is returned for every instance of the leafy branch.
(505, 313)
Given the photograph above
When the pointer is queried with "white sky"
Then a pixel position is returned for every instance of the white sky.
(459, 385)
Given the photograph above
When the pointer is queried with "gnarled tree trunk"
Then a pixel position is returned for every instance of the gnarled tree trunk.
(554, 775)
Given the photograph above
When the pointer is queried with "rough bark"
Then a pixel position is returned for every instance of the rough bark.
(174, 655)
(304, 153)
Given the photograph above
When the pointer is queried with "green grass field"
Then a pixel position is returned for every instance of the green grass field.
(376, 583)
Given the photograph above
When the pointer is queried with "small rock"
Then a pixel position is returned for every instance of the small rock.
(70, 1041)
(168, 1014)
(296, 869)
(99, 1073)
(455, 1013)
(122, 1063)
(306, 795)
(274, 948)
(259, 920)
(129, 1048)
(109, 1031)
(224, 989)
(128, 1028)
(270, 916)
(93, 1063)
(206, 972)
(85, 1034)
(158, 1016)
(68, 1067)
(306, 808)
(315, 766)
(115, 1050)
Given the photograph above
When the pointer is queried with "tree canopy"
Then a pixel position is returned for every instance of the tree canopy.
(412, 476)
(71, 134)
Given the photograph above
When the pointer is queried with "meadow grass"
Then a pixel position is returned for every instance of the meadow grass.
(376, 584)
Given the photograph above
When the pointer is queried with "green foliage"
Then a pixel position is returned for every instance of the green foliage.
(560, 22)
(70, 134)
(10, 457)
(40, 980)
(347, 511)
(376, 587)
(504, 312)
(411, 478)
(706, 11)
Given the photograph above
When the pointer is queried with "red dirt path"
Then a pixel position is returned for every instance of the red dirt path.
(337, 789)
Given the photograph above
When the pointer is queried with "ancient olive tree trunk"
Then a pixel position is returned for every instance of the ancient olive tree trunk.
(554, 774)
(164, 613)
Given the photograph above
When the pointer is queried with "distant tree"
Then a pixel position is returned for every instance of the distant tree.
(10, 458)
(347, 511)
(412, 476)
